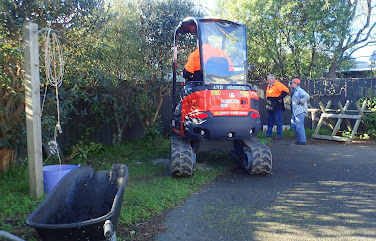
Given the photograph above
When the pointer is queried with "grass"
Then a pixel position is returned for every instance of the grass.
(15, 203)
(150, 189)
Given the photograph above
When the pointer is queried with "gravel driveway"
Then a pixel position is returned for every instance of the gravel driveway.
(315, 192)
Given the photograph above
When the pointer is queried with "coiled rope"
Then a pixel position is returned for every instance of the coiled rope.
(54, 64)
(54, 61)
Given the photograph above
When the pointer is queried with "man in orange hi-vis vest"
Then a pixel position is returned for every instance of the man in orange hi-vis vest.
(275, 92)
(192, 69)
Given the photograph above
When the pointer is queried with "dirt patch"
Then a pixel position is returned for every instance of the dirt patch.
(139, 232)
(143, 231)
(26, 233)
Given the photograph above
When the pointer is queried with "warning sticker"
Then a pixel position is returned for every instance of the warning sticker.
(221, 113)
(215, 92)
(244, 93)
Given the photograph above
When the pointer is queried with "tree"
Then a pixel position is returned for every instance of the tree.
(297, 38)
(355, 30)
(133, 55)
(278, 35)
(61, 15)
(11, 102)
(117, 57)
(158, 22)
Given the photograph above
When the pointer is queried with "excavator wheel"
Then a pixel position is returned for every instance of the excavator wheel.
(183, 158)
(255, 156)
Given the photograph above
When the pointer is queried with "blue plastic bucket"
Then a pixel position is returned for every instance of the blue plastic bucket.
(53, 173)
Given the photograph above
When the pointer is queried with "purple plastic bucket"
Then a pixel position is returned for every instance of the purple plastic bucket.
(53, 173)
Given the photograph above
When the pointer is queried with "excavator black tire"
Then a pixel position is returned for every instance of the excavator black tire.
(183, 158)
(258, 157)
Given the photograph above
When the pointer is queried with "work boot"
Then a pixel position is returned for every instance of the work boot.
(300, 143)
(265, 136)
(277, 138)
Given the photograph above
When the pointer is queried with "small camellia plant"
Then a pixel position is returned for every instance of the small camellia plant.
(370, 118)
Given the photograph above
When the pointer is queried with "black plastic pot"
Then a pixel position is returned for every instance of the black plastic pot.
(80, 204)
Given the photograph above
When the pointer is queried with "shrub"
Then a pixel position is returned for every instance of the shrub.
(370, 118)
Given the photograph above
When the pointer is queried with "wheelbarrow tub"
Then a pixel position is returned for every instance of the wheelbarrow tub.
(79, 205)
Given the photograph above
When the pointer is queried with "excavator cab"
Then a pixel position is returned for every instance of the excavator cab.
(220, 105)
(229, 66)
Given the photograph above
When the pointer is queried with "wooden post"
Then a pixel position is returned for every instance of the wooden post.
(343, 111)
(323, 109)
(339, 121)
(357, 123)
(313, 118)
(340, 116)
(33, 111)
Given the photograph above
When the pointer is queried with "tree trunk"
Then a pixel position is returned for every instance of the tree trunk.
(119, 132)
(313, 53)
(7, 158)
(333, 70)
(119, 135)
(160, 103)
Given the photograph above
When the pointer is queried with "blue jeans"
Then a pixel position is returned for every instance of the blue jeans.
(277, 117)
(297, 124)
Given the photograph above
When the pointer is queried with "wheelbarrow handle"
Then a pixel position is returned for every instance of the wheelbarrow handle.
(9, 236)
(108, 229)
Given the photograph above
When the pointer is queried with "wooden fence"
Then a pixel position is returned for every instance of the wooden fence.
(320, 90)
(335, 90)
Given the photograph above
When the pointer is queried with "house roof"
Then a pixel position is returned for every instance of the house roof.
(373, 56)
(364, 65)
(361, 66)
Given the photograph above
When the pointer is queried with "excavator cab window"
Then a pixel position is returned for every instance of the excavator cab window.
(223, 49)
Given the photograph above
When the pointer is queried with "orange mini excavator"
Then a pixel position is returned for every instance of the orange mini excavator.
(218, 110)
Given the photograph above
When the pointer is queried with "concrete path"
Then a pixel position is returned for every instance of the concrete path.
(316, 192)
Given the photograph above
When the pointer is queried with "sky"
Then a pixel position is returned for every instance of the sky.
(364, 54)
(209, 4)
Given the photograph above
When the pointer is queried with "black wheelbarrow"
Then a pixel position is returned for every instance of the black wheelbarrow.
(84, 205)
